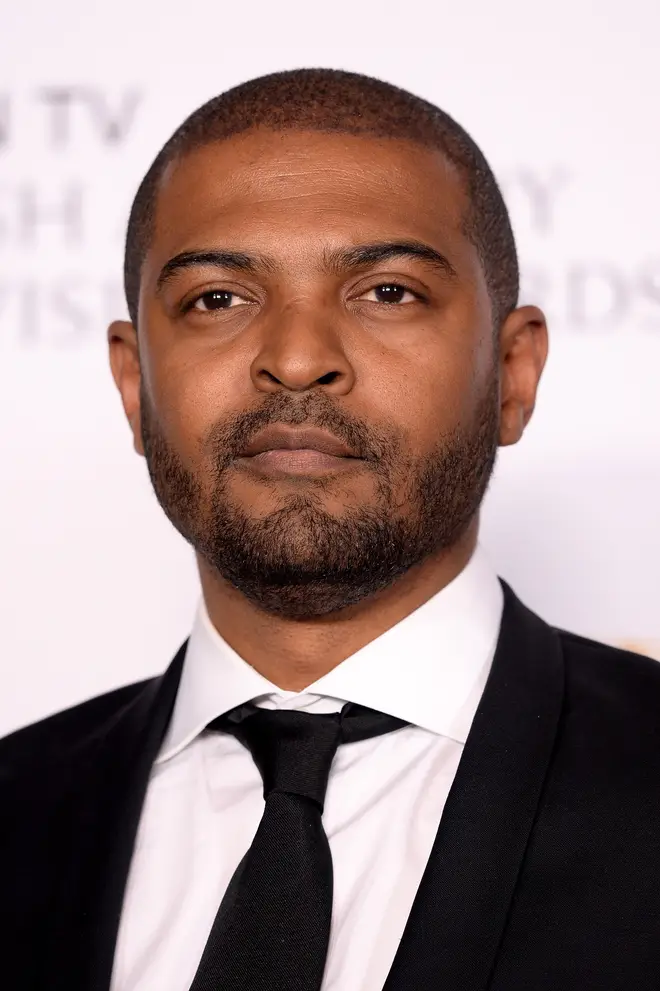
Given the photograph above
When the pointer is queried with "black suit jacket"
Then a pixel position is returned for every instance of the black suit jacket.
(544, 875)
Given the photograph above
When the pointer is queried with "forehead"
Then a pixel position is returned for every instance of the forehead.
(275, 190)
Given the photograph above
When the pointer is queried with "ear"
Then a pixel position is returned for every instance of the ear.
(125, 365)
(523, 352)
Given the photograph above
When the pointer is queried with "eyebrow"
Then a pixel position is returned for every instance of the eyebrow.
(235, 261)
(371, 254)
(336, 260)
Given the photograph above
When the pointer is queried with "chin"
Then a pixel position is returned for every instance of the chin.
(299, 507)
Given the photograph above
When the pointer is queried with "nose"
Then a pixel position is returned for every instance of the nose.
(302, 350)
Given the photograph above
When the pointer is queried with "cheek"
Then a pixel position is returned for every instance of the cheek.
(434, 375)
(425, 396)
(188, 397)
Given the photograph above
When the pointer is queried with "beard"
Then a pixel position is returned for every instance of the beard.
(302, 561)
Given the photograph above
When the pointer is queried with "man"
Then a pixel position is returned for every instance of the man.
(370, 766)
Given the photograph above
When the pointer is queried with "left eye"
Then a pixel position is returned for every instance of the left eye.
(390, 292)
(217, 299)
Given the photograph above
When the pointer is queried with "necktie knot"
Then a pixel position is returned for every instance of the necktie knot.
(294, 750)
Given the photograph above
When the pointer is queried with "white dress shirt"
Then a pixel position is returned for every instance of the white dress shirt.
(384, 801)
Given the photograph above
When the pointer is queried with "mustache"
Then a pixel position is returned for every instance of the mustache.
(227, 439)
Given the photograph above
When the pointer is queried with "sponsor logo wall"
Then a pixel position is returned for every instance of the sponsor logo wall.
(96, 588)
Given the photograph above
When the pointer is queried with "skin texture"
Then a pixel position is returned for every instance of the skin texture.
(421, 388)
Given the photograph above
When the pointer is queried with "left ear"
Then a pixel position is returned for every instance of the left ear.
(523, 347)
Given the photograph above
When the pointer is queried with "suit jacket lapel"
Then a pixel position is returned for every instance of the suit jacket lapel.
(104, 810)
(460, 911)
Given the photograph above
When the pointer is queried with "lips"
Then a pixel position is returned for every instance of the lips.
(283, 438)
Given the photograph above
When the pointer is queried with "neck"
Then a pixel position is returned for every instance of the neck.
(293, 654)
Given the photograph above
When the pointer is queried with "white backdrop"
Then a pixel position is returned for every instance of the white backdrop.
(96, 589)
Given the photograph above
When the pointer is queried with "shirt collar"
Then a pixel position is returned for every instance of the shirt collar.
(429, 669)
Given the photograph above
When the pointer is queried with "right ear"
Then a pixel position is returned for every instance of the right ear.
(125, 365)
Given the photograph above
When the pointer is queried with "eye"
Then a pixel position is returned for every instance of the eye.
(391, 292)
(216, 299)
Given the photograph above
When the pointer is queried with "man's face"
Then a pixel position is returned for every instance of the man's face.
(318, 387)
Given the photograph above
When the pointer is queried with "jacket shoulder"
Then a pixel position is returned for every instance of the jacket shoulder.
(62, 734)
(619, 681)
(581, 649)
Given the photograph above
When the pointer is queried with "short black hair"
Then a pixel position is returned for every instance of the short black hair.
(334, 100)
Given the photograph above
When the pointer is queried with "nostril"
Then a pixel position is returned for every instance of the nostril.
(328, 378)
(270, 376)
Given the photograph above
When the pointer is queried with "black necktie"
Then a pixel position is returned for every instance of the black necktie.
(272, 928)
